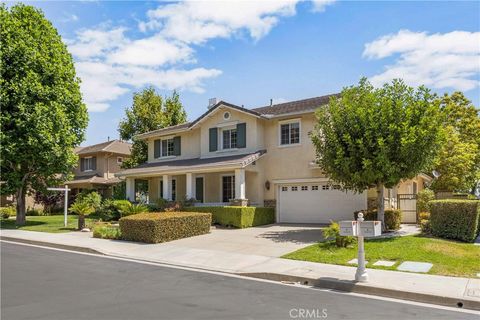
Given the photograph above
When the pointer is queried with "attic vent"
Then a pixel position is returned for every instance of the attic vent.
(212, 102)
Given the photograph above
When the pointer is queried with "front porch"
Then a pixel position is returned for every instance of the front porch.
(239, 187)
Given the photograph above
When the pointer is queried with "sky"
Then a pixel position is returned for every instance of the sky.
(248, 52)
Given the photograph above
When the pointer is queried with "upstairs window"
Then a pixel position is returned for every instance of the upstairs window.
(88, 164)
(167, 147)
(290, 133)
(229, 138)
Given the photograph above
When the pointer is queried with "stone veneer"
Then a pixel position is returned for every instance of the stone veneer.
(239, 202)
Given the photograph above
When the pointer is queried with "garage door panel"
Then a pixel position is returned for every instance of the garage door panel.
(315, 204)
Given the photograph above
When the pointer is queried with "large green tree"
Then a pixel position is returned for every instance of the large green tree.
(458, 160)
(149, 111)
(375, 137)
(42, 114)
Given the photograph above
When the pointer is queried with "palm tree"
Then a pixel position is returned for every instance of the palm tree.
(83, 209)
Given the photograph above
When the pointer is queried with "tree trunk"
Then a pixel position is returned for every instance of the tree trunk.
(20, 198)
(81, 221)
(381, 205)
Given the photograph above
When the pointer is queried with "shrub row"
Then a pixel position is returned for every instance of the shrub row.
(393, 218)
(455, 219)
(106, 231)
(155, 227)
(239, 217)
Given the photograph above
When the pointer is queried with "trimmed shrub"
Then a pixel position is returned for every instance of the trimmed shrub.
(34, 212)
(332, 233)
(455, 219)
(106, 231)
(239, 217)
(393, 218)
(423, 200)
(7, 212)
(165, 226)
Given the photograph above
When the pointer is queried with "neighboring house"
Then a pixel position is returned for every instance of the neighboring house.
(97, 165)
(233, 155)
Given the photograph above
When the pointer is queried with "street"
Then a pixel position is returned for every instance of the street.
(38, 283)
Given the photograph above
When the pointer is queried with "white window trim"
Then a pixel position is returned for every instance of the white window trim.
(119, 162)
(161, 147)
(87, 170)
(220, 138)
(280, 145)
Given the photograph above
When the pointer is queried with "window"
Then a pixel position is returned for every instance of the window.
(226, 115)
(229, 137)
(336, 187)
(290, 133)
(167, 147)
(174, 189)
(284, 188)
(294, 188)
(325, 187)
(228, 188)
(87, 164)
(304, 188)
(314, 188)
(119, 160)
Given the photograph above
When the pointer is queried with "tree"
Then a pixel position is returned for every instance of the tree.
(149, 112)
(377, 136)
(42, 114)
(82, 208)
(458, 160)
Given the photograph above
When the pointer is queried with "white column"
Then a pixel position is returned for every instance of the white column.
(190, 192)
(130, 189)
(167, 194)
(240, 184)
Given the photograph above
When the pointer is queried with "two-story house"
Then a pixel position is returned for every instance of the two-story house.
(233, 155)
(97, 165)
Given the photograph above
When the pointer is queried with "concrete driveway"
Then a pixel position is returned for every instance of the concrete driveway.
(272, 240)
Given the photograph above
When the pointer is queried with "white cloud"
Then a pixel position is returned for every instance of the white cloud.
(96, 43)
(319, 5)
(448, 60)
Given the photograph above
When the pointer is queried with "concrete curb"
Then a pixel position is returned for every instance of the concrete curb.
(52, 245)
(356, 287)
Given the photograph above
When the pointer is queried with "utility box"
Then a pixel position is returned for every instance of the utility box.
(348, 228)
(370, 228)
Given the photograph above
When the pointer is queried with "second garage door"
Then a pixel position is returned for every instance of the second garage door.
(317, 203)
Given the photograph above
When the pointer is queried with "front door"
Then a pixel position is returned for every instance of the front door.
(199, 189)
(228, 188)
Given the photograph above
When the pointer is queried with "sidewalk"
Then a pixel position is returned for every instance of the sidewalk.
(450, 291)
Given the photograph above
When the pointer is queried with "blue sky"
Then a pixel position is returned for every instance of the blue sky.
(249, 52)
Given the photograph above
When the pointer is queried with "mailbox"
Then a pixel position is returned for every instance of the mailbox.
(370, 228)
(348, 228)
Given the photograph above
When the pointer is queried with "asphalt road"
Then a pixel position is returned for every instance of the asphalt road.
(39, 283)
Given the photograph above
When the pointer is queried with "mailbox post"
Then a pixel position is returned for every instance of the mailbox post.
(361, 274)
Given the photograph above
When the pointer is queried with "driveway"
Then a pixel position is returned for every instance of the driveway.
(272, 240)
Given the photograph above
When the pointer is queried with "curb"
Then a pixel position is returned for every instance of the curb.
(356, 287)
(53, 245)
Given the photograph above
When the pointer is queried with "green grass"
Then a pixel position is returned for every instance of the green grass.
(449, 258)
(53, 224)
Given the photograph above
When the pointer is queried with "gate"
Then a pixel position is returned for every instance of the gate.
(408, 204)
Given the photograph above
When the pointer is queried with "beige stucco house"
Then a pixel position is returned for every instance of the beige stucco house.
(233, 155)
(97, 165)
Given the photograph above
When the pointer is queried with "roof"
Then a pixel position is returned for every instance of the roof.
(95, 179)
(240, 161)
(114, 146)
(287, 108)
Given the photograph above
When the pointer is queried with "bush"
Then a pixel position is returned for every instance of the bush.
(165, 226)
(239, 217)
(34, 212)
(455, 219)
(393, 218)
(332, 233)
(423, 200)
(106, 231)
(133, 209)
(92, 198)
(424, 216)
(7, 212)
(425, 226)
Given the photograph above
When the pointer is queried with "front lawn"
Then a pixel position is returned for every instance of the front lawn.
(52, 224)
(449, 258)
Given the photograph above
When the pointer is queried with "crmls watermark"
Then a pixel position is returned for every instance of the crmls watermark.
(302, 313)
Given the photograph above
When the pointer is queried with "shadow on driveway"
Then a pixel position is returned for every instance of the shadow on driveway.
(299, 236)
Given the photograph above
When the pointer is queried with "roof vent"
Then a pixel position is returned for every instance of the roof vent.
(212, 102)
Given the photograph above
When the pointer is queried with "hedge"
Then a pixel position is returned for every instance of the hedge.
(455, 219)
(393, 218)
(155, 227)
(239, 217)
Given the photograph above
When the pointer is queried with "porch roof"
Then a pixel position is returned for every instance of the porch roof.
(193, 165)
(94, 179)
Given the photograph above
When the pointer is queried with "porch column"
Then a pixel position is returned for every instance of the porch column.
(130, 189)
(239, 184)
(167, 182)
(190, 192)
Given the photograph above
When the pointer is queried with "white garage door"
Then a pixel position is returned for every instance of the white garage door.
(317, 203)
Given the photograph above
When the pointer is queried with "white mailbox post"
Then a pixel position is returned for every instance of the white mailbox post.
(65, 208)
(361, 229)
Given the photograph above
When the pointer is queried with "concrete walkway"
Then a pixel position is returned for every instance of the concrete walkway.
(419, 287)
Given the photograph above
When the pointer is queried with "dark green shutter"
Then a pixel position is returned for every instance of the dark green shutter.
(177, 146)
(156, 149)
(94, 163)
(82, 164)
(213, 144)
(241, 135)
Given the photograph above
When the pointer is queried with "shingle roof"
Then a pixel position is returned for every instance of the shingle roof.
(241, 160)
(95, 179)
(295, 106)
(115, 146)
